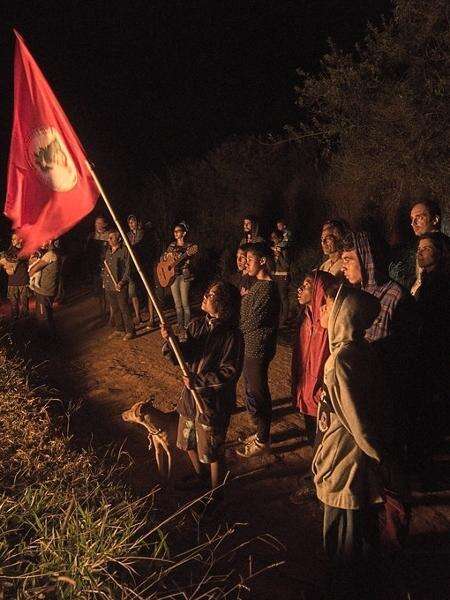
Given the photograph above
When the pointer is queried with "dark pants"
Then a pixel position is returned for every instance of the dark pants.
(282, 282)
(257, 395)
(350, 540)
(45, 307)
(121, 310)
(99, 292)
(18, 296)
(310, 426)
(350, 536)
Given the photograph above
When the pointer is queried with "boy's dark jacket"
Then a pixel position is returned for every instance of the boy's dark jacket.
(214, 352)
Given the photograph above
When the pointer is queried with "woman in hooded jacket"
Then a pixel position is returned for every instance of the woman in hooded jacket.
(349, 445)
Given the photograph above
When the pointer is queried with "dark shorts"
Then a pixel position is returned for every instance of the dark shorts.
(132, 289)
(207, 440)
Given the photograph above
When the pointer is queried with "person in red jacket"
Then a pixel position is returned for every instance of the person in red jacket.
(310, 349)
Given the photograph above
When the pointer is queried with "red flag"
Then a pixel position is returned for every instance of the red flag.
(50, 187)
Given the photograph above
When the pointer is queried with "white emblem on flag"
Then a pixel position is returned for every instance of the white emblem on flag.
(49, 157)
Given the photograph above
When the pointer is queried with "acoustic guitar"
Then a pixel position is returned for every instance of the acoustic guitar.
(166, 267)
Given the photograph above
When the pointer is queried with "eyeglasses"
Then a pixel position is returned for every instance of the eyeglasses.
(209, 295)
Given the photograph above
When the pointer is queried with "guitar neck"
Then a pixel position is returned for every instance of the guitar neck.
(182, 257)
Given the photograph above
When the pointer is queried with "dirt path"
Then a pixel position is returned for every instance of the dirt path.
(112, 375)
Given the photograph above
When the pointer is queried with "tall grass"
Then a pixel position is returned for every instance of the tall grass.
(70, 529)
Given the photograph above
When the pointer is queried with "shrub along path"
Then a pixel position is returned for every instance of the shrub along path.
(111, 375)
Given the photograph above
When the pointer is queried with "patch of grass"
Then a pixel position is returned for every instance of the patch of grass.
(69, 528)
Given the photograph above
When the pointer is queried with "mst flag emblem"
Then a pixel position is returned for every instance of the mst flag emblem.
(48, 155)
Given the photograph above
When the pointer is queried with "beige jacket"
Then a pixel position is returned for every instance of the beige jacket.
(346, 458)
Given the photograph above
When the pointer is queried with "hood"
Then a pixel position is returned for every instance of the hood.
(353, 312)
(322, 280)
(373, 274)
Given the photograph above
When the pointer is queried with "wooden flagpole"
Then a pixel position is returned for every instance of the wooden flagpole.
(172, 340)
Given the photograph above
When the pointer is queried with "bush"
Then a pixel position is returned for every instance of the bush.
(380, 114)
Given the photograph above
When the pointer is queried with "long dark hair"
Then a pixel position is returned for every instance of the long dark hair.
(228, 301)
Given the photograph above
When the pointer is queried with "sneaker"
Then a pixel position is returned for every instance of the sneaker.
(249, 439)
(254, 448)
(115, 334)
(128, 336)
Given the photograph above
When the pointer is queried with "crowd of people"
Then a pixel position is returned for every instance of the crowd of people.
(369, 373)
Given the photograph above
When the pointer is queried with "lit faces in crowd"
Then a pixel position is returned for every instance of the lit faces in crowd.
(100, 225)
(329, 240)
(16, 241)
(422, 221)
(132, 224)
(351, 267)
(304, 292)
(114, 239)
(427, 255)
(241, 260)
(255, 264)
(209, 304)
(325, 312)
(179, 233)
(247, 226)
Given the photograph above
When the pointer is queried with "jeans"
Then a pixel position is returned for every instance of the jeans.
(257, 395)
(121, 310)
(180, 293)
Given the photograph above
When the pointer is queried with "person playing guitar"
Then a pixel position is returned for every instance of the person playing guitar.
(182, 273)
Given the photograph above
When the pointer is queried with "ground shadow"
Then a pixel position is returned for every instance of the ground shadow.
(283, 411)
(287, 434)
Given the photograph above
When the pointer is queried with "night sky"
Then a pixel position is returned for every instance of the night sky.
(147, 84)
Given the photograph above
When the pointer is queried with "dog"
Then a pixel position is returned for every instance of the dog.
(161, 428)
